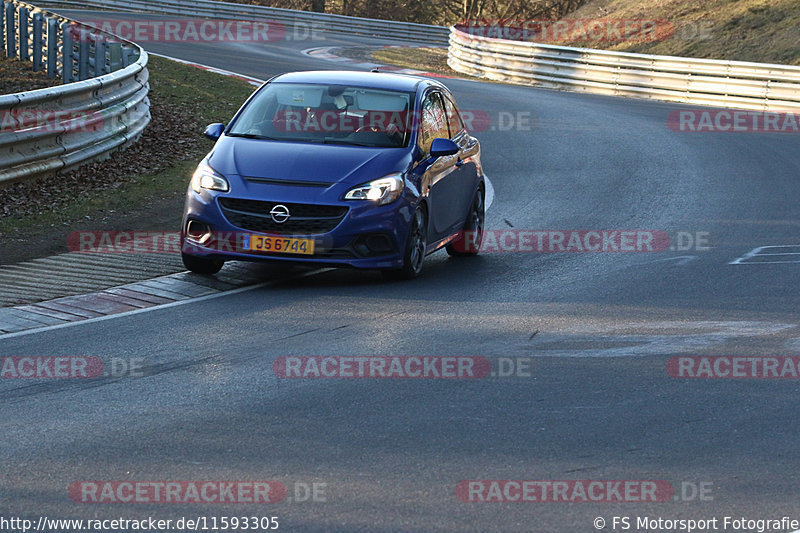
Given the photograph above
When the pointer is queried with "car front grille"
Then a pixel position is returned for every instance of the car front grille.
(305, 219)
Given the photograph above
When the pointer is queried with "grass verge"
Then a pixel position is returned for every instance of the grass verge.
(141, 188)
(764, 31)
(427, 59)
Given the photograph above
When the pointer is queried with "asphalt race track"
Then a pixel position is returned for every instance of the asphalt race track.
(594, 330)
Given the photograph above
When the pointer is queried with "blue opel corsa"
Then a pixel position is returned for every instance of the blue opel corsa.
(346, 169)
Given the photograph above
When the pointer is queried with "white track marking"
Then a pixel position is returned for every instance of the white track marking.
(159, 307)
(771, 252)
(679, 260)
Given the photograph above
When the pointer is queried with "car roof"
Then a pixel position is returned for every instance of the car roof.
(372, 80)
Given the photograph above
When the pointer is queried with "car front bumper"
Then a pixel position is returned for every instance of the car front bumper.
(367, 237)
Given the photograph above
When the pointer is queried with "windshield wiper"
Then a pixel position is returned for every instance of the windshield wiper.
(332, 140)
(252, 136)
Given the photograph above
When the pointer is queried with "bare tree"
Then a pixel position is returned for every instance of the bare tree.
(462, 10)
(443, 12)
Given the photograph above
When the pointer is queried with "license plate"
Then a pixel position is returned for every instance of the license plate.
(283, 245)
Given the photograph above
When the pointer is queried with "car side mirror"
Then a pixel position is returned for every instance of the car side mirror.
(440, 147)
(214, 131)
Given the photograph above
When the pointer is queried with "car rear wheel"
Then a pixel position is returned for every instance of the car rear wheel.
(202, 265)
(471, 236)
(416, 245)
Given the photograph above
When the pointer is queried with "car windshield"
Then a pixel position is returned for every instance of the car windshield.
(331, 114)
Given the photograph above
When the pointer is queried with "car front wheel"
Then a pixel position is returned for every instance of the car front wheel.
(416, 246)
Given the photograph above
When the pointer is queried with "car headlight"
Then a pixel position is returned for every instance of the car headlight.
(206, 177)
(381, 191)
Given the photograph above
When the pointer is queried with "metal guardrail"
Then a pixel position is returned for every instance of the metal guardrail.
(58, 128)
(325, 22)
(735, 84)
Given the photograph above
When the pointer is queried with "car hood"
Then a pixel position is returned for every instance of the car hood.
(254, 158)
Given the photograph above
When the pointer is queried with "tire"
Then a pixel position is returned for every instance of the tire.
(469, 241)
(202, 265)
(416, 246)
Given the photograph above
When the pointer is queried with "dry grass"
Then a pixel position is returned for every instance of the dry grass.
(765, 31)
(744, 30)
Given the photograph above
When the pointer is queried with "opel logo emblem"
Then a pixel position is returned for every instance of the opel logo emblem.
(280, 214)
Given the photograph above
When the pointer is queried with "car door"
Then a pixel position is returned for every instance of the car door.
(462, 181)
(441, 175)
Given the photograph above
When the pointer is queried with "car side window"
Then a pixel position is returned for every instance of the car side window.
(434, 122)
(453, 118)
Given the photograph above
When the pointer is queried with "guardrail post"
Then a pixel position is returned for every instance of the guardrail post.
(83, 56)
(767, 87)
(11, 48)
(115, 56)
(127, 57)
(100, 57)
(2, 25)
(37, 42)
(90, 69)
(67, 61)
(52, 47)
(24, 54)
